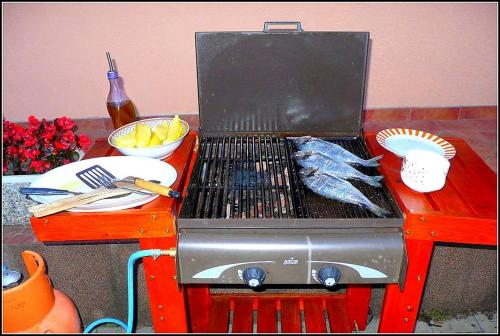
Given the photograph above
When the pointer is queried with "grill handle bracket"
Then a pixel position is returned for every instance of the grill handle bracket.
(298, 28)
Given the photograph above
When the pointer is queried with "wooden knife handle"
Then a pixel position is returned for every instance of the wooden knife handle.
(46, 209)
(157, 188)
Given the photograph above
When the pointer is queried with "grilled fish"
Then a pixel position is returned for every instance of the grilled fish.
(335, 188)
(340, 169)
(334, 151)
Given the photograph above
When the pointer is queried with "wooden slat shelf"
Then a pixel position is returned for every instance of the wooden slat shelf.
(278, 313)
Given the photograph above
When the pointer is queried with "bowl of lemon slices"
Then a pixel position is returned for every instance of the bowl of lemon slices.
(155, 137)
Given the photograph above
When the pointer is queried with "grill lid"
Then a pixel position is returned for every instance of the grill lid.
(281, 81)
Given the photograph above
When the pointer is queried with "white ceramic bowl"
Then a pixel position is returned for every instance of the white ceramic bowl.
(424, 171)
(156, 152)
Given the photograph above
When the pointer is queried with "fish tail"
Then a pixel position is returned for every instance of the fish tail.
(371, 180)
(299, 140)
(373, 162)
(301, 154)
(380, 212)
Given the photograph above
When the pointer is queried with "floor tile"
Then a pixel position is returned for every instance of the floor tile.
(426, 126)
(465, 134)
(492, 163)
(110, 329)
(381, 125)
(477, 323)
(423, 327)
(472, 124)
(387, 114)
(487, 324)
(371, 327)
(478, 112)
(440, 113)
(465, 325)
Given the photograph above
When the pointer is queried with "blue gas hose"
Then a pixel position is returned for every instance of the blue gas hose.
(130, 279)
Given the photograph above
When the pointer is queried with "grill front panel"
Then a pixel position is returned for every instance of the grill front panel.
(220, 257)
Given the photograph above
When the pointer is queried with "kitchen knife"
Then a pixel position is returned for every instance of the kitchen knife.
(46, 191)
(45, 209)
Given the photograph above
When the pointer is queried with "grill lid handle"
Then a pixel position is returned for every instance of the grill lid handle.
(296, 23)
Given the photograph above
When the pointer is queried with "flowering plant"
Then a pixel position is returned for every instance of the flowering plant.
(41, 146)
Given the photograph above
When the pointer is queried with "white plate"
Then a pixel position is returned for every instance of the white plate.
(401, 140)
(64, 177)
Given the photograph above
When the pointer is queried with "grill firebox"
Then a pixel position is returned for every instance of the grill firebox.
(255, 177)
(246, 207)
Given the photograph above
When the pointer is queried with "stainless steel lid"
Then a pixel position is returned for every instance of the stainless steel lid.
(281, 81)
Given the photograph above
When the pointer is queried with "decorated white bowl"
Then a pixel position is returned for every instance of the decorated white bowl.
(157, 152)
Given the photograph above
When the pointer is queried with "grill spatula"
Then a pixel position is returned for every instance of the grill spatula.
(96, 176)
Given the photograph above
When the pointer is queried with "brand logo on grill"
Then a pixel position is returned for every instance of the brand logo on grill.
(290, 261)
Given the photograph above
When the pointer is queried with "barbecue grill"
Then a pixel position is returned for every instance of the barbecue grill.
(247, 218)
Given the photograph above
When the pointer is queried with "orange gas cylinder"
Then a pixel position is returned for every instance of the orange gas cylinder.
(35, 307)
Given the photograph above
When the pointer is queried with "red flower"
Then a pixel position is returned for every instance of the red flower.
(16, 132)
(43, 145)
(49, 133)
(61, 145)
(65, 123)
(37, 166)
(31, 153)
(68, 136)
(33, 121)
(29, 140)
(12, 151)
(83, 141)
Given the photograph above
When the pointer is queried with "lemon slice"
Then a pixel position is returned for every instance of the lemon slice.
(175, 130)
(154, 141)
(161, 131)
(127, 140)
(142, 135)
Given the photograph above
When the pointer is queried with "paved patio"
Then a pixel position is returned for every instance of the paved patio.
(476, 323)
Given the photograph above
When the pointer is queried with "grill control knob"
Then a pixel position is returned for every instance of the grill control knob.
(329, 276)
(254, 276)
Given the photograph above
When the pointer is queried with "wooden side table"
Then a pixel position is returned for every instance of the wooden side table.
(152, 224)
(464, 211)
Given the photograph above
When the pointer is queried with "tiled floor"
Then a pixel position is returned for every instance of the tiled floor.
(477, 323)
(480, 134)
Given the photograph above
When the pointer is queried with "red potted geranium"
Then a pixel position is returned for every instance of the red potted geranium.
(41, 146)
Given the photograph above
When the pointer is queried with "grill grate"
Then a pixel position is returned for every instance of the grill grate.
(255, 177)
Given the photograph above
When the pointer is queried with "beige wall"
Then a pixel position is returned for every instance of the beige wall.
(54, 62)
